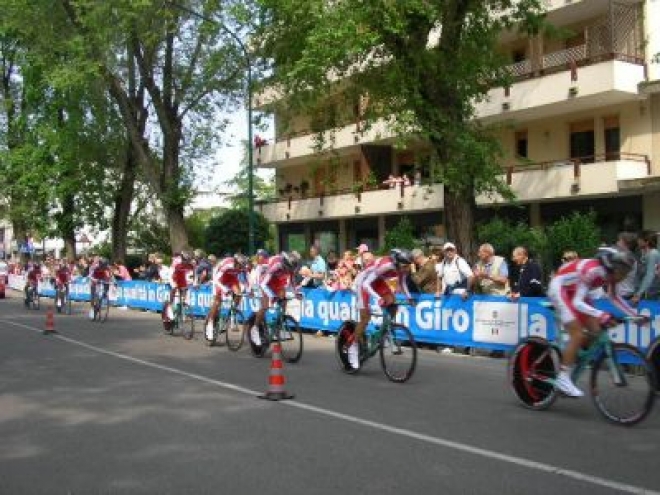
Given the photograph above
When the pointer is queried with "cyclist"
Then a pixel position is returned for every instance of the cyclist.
(277, 277)
(99, 272)
(373, 282)
(33, 278)
(227, 280)
(62, 279)
(183, 272)
(572, 291)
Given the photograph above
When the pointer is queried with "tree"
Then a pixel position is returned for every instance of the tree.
(401, 236)
(228, 232)
(261, 188)
(425, 62)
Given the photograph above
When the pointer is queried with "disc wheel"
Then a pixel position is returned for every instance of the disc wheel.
(187, 322)
(168, 324)
(398, 353)
(290, 338)
(257, 350)
(533, 367)
(653, 357)
(235, 330)
(211, 334)
(623, 386)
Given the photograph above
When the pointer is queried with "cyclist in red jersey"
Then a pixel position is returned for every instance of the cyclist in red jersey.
(63, 277)
(373, 282)
(277, 278)
(571, 291)
(182, 277)
(99, 273)
(33, 278)
(227, 280)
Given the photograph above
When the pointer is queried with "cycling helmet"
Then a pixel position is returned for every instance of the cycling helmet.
(241, 260)
(401, 257)
(613, 258)
(186, 257)
(290, 260)
(103, 263)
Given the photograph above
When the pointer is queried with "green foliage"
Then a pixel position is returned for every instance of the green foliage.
(578, 232)
(148, 235)
(228, 232)
(401, 236)
(505, 236)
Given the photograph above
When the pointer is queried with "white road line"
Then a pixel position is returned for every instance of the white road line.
(462, 447)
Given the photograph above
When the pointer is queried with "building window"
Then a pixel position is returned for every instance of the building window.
(612, 138)
(521, 144)
(582, 141)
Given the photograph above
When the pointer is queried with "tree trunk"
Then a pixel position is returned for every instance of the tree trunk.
(460, 209)
(177, 226)
(123, 200)
(68, 227)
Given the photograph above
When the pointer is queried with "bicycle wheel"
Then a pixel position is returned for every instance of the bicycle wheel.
(533, 367)
(257, 350)
(623, 386)
(235, 330)
(653, 357)
(344, 335)
(59, 300)
(168, 323)
(398, 353)
(290, 338)
(104, 308)
(187, 322)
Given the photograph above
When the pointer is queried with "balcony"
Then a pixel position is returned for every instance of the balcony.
(296, 149)
(593, 176)
(601, 176)
(353, 204)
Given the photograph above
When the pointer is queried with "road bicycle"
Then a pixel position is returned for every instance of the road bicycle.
(182, 315)
(32, 297)
(101, 302)
(62, 299)
(229, 321)
(393, 341)
(621, 380)
(277, 327)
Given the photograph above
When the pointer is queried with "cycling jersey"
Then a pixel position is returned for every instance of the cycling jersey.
(227, 276)
(182, 274)
(98, 274)
(63, 275)
(374, 281)
(34, 275)
(571, 291)
(276, 278)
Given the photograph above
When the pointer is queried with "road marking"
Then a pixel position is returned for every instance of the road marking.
(462, 447)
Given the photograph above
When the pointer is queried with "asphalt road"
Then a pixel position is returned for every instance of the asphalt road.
(120, 408)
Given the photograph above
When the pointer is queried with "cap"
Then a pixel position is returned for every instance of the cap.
(262, 252)
(448, 245)
(362, 248)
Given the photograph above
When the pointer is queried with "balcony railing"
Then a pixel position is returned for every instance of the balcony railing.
(577, 163)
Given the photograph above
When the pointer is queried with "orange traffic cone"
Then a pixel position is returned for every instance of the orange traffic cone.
(50, 322)
(276, 377)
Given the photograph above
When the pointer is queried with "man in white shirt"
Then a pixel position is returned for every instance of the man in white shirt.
(456, 276)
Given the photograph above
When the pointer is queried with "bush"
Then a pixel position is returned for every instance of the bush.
(505, 236)
(577, 232)
(401, 236)
(228, 232)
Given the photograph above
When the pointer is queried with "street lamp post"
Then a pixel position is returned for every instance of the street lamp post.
(248, 64)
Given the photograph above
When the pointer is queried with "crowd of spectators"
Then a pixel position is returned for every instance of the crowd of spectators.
(441, 271)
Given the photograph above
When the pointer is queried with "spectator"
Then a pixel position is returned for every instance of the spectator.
(332, 260)
(316, 272)
(454, 274)
(527, 280)
(417, 178)
(405, 180)
(627, 241)
(203, 268)
(164, 271)
(346, 271)
(425, 276)
(569, 256)
(359, 261)
(491, 272)
(120, 271)
(151, 269)
(648, 276)
(391, 182)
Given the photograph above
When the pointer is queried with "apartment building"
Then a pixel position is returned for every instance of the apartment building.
(581, 130)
